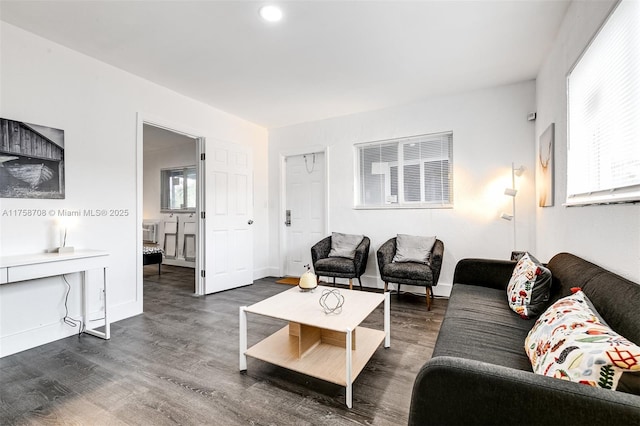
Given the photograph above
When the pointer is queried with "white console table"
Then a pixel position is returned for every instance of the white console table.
(15, 269)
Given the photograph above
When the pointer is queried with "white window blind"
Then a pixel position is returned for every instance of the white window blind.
(406, 172)
(603, 161)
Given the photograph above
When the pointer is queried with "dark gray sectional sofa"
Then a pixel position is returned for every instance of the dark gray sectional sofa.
(479, 372)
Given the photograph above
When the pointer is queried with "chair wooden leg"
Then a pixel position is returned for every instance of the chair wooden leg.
(429, 292)
(386, 284)
(334, 281)
(360, 282)
(350, 284)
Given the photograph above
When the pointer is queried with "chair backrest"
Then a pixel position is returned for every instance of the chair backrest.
(322, 248)
(387, 251)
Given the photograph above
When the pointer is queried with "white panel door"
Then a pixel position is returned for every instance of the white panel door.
(229, 209)
(305, 199)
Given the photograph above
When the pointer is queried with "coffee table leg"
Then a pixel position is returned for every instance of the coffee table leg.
(349, 392)
(387, 320)
(243, 338)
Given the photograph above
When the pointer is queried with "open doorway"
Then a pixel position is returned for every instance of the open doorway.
(170, 204)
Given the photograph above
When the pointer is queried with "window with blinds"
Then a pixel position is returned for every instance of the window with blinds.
(178, 189)
(406, 172)
(603, 88)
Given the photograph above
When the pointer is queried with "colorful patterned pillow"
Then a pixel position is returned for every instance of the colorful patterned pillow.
(569, 342)
(529, 287)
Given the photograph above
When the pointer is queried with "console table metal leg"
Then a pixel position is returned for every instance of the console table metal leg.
(243, 338)
(106, 334)
(387, 320)
(349, 396)
(107, 324)
(83, 295)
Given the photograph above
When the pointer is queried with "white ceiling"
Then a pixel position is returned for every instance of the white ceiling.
(326, 58)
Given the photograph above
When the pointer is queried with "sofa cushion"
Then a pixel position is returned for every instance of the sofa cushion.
(569, 342)
(529, 287)
(479, 325)
(344, 245)
(410, 248)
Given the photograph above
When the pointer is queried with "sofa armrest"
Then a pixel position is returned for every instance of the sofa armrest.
(484, 272)
(456, 391)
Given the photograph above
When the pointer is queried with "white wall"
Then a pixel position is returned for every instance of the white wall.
(608, 235)
(97, 106)
(490, 131)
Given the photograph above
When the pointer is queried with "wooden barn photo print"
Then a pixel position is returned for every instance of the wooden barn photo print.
(31, 160)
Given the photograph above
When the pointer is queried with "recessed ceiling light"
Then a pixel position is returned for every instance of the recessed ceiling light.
(271, 13)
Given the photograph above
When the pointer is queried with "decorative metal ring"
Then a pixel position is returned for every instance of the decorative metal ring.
(331, 301)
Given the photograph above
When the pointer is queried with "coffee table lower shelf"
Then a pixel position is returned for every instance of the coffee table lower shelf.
(324, 361)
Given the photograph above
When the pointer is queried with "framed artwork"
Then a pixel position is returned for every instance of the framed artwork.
(545, 167)
(31, 160)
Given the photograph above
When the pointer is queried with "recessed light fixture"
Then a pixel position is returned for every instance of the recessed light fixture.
(271, 13)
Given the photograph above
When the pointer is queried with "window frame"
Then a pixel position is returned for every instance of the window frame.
(165, 189)
(400, 164)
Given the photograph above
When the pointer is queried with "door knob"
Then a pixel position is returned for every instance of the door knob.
(250, 222)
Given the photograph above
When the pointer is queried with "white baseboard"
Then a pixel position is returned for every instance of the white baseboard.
(124, 310)
(264, 272)
(27, 339)
(442, 289)
(270, 271)
(47, 333)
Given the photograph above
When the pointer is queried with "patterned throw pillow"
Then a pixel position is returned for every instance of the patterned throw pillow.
(529, 287)
(569, 342)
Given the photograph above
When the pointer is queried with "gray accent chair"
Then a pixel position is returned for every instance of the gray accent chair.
(340, 267)
(412, 273)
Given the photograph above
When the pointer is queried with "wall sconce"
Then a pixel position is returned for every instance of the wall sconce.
(511, 192)
(506, 216)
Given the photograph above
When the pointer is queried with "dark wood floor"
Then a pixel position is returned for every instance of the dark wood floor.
(178, 364)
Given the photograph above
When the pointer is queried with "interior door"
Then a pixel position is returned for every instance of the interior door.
(305, 202)
(228, 217)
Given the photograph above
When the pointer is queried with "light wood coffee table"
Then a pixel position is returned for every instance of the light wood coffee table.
(315, 343)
